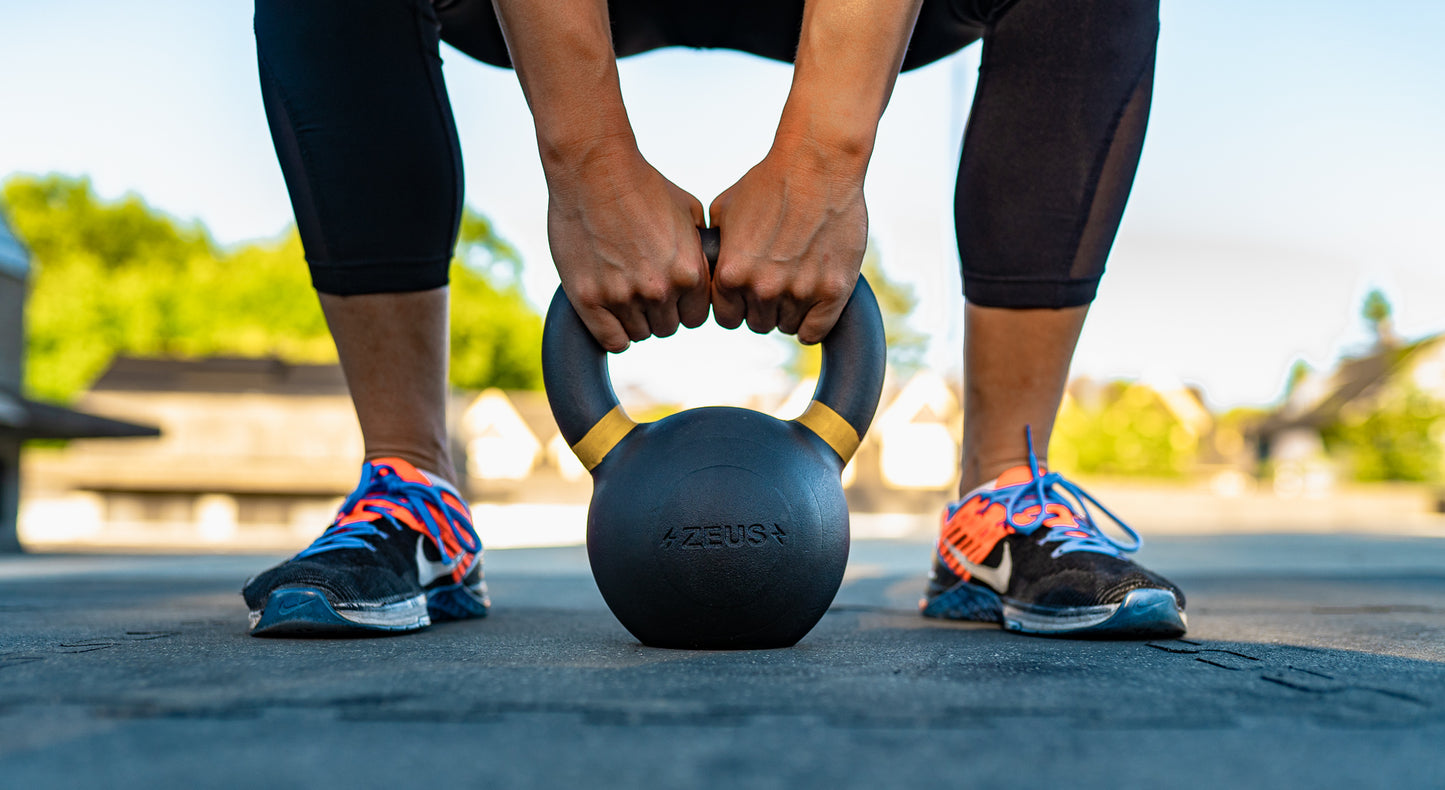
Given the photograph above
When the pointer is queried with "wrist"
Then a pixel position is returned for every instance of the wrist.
(816, 138)
(580, 148)
(587, 169)
(577, 125)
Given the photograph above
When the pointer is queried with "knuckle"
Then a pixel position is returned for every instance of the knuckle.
(768, 290)
(653, 291)
(610, 298)
(838, 287)
(686, 278)
(731, 278)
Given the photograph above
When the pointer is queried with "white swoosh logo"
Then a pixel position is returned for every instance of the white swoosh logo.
(429, 570)
(996, 578)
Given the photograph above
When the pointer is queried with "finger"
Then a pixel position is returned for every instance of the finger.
(819, 321)
(692, 304)
(662, 318)
(762, 313)
(634, 322)
(790, 315)
(728, 307)
(605, 327)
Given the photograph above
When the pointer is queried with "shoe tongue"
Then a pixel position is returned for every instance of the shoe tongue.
(1017, 476)
(411, 474)
(404, 470)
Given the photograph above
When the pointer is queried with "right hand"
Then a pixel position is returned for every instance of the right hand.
(626, 245)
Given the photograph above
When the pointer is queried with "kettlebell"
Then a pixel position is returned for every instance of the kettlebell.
(717, 528)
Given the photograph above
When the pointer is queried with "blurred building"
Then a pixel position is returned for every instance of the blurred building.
(252, 452)
(20, 418)
(1291, 439)
(255, 454)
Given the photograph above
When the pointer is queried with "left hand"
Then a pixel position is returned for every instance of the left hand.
(794, 229)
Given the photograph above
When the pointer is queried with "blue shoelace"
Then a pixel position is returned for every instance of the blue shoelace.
(415, 496)
(1043, 490)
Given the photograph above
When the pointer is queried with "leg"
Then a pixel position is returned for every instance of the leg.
(1053, 142)
(393, 349)
(1049, 156)
(364, 133)
(366, 142)
(1016, 363)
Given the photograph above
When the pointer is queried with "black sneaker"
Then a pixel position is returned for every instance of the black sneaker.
(1016, 552)
(401, 553)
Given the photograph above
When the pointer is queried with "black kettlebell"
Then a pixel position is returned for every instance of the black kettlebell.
(718, 527)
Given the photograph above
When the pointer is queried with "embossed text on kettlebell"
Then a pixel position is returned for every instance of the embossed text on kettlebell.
(724, 536)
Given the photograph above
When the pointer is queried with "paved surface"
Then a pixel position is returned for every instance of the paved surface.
(1312, 661)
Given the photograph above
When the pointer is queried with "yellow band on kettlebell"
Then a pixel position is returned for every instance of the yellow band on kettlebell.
(603, 436)
(831, 428)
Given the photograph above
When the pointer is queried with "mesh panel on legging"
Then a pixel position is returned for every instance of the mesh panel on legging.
(364, 132)
(1052, 145)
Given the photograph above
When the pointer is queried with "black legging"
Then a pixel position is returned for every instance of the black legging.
(364, 131)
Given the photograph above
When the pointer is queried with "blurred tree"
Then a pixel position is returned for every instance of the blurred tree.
(121, 277)
(1298, 372)
(896, 301)
(1396, 436)
(496, 338)
(1379, 315)
(1124, 429)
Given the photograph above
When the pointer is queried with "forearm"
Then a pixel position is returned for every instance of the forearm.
(562, 52)
(849, 54)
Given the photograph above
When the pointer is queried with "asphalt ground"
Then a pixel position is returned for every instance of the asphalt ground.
(1311, 661)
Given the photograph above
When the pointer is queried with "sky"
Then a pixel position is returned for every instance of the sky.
(1294, 161)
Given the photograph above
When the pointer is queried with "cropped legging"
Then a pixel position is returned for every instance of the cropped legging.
(364, 131)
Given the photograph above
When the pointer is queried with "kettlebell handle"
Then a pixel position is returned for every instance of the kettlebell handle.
(711, 246)
(592, 421)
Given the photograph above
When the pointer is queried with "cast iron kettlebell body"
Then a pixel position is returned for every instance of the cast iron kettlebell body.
(718, 527)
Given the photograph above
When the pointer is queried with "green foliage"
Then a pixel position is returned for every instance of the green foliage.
(59, 218)
(1124, 429)
(496, 337)
(1298, 372)
(1397, 437)
(120, 277)
(896, 302)
(1376, 309)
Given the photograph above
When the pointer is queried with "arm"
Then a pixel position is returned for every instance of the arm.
(795, 226)
(623, 237)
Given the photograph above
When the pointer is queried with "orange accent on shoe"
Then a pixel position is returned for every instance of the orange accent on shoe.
(973, 531)
(1018, 475)
(366, 511)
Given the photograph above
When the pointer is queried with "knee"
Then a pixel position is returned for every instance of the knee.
(1084, 34)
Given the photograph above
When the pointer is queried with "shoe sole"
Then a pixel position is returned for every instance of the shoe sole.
(1144, 613)
(457, 601)
(306, 611)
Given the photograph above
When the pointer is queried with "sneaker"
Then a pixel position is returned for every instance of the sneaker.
(1017, 552)
(401, 553)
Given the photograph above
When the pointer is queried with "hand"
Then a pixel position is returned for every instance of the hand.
(626, 247)
(794, 230)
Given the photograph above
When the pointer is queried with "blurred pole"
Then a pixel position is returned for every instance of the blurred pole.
(14, 265)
